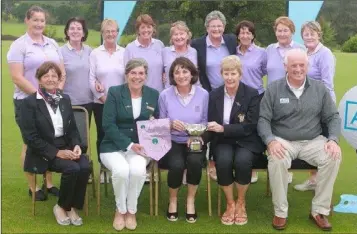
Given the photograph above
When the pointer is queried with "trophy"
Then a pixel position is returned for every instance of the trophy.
(195, 131)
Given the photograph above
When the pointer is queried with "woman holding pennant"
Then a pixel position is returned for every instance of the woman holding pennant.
(120, 150)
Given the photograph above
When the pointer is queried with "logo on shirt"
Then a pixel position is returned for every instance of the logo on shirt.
(284, 100)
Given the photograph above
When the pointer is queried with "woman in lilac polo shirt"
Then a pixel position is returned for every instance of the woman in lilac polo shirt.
(106, 70)
(183, 103)
(180, 47)
(76, 62)
(254, 62)
(321, 67)
(148, 48)
(284, 29)
(25, 55)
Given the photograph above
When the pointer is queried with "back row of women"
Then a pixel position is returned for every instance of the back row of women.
(87, 76)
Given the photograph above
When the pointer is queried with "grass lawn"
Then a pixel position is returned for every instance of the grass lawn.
(16, 204)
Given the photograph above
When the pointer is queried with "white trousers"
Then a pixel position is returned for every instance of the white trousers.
(128, 177)
(312, 152)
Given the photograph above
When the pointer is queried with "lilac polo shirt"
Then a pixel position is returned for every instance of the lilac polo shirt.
(194, 112)
(322, 65)
(254, 62)
(275, 60)
(169, 54)
(76, 64)
(213, 62)
(153, 56)
(31, 55)
(107, 68)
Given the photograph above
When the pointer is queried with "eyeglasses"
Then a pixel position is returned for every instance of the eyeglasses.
(110, 32)
(216, 26)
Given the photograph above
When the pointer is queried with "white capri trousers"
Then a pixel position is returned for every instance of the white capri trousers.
(128, 171)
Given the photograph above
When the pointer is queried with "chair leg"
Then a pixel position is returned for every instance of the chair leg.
(93, 180)
(34, 195)
(157, 184)
(209, 191)
(268, 185)
(98, 191)
(105, 184)
(219, 201)
(86, 203)
(151, 189)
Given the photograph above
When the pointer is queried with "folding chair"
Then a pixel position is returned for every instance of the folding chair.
(34, 193)
(156, 177)
(105, 171)
(82, 121)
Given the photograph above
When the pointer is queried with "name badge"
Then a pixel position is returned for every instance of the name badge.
(284, 100)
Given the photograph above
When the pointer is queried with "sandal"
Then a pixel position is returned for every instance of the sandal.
(227, 218)
(191, 218)
(171, 216)
(241, 219)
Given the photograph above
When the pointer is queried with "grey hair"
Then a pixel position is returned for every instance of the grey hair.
(134, 63)
(214, 15)
(314, 26)
(294, 51)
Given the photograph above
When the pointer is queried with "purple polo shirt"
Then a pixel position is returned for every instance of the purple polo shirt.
(254, 62)
(194, 112)
(107, 68)
(322, 65)
(213, 62)
(153, 56)
(31, 55)
(275, 60)
(169, 54)
(76, 64)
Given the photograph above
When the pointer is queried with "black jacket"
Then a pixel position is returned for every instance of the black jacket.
(242, 127)
(39, 134)
(201, 46)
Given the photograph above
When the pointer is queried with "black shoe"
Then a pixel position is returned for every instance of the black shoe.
(39, 195)
(53, 190)
(171, 216)
(191, 218)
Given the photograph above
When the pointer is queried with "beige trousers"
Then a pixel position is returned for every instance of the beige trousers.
(312, 152)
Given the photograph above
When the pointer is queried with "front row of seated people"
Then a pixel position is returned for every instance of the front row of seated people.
(240, 122)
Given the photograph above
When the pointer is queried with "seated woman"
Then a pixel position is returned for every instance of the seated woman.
(183, 103)
(52, 137)
(120, 151)
(233, 115)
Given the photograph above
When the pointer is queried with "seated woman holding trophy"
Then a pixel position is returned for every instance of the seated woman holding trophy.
(233, 114)
(186, 106)
(120, 150)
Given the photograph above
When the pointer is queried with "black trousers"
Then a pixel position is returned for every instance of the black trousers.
(98, 116)
(74, 179)
(231, 158)
(177, 160)
(89, 108)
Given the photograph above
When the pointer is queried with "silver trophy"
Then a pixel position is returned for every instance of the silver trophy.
(195, 131)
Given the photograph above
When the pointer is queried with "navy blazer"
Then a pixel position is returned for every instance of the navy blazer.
(242, 127)
(39, 134)
(201, 46)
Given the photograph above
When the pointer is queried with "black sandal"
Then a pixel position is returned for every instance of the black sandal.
(191, 218)
(171, 216)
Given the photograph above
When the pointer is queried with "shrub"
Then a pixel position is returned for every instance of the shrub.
(126, 39)
(50, 31)
(350, 45)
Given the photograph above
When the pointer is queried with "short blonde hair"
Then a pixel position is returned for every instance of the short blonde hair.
(108, 22)
(313, 26)
(231, 62)
(180, 25)
(284, 20)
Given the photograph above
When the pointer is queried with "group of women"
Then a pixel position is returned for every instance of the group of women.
(215, 80)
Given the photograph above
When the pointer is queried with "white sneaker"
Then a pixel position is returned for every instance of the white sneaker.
(254, 178)
(290, 177)
(307, 185)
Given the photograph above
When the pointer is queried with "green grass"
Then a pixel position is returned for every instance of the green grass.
(16, 204)
(17, 29)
